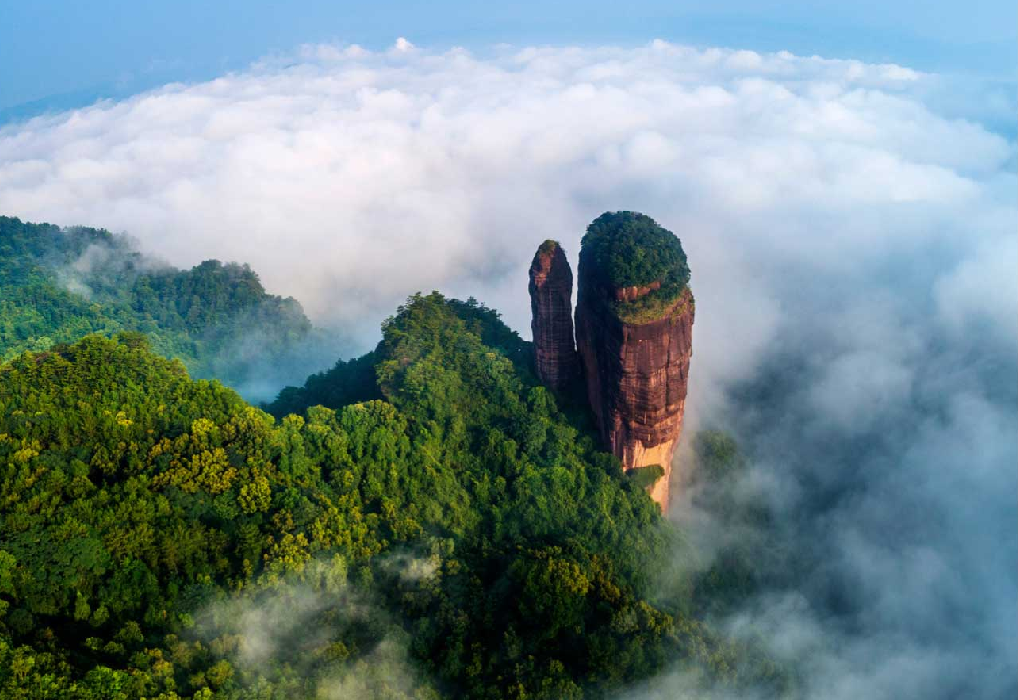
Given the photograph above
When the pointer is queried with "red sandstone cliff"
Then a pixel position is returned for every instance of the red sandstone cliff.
(636, 373)
(551, 305)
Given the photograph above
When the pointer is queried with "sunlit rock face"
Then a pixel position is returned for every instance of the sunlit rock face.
(551, 305)
(635, 351)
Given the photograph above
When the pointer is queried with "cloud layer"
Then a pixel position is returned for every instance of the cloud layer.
(350, 179)
(851, 237)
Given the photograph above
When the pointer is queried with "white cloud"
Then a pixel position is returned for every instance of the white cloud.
(403, 45)
(350, 179)
(980, 295)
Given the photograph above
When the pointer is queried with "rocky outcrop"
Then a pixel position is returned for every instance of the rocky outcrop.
(634, 335)
(636, 370)
(551, 305)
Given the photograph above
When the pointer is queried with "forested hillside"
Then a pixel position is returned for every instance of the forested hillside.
(445, 530)
(57, 285)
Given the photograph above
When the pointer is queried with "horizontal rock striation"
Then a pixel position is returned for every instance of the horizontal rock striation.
(551, 305)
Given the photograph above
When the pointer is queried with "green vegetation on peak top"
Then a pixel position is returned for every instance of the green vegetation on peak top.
(548, 246)
(353, 380)
(629, 249)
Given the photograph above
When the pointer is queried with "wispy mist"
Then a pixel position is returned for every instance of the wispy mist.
(313, 634)
(882, 426)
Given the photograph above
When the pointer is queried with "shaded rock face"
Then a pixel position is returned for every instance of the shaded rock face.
(551, 305)
(637, 375)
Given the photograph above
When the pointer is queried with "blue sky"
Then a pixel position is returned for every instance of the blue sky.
(63, 53)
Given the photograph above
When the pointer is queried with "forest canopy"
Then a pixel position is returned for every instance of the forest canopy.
(449, 533)
(629, 249)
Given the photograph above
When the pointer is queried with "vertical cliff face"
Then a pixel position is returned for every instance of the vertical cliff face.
(634, 332)
(551, 305)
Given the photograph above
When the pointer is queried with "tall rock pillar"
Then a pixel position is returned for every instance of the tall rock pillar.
(551, 305)
(634, 334)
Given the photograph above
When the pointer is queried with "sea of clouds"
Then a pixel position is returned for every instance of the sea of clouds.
(851, 230)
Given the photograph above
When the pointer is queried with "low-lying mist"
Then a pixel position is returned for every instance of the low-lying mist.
(311, 634)
(884, 445)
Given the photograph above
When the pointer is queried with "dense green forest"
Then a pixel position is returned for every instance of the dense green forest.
(57, 285)
(629, 249)
(422, 522)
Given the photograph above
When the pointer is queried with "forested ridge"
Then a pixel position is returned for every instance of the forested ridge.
(440, 528)
(59, 284)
